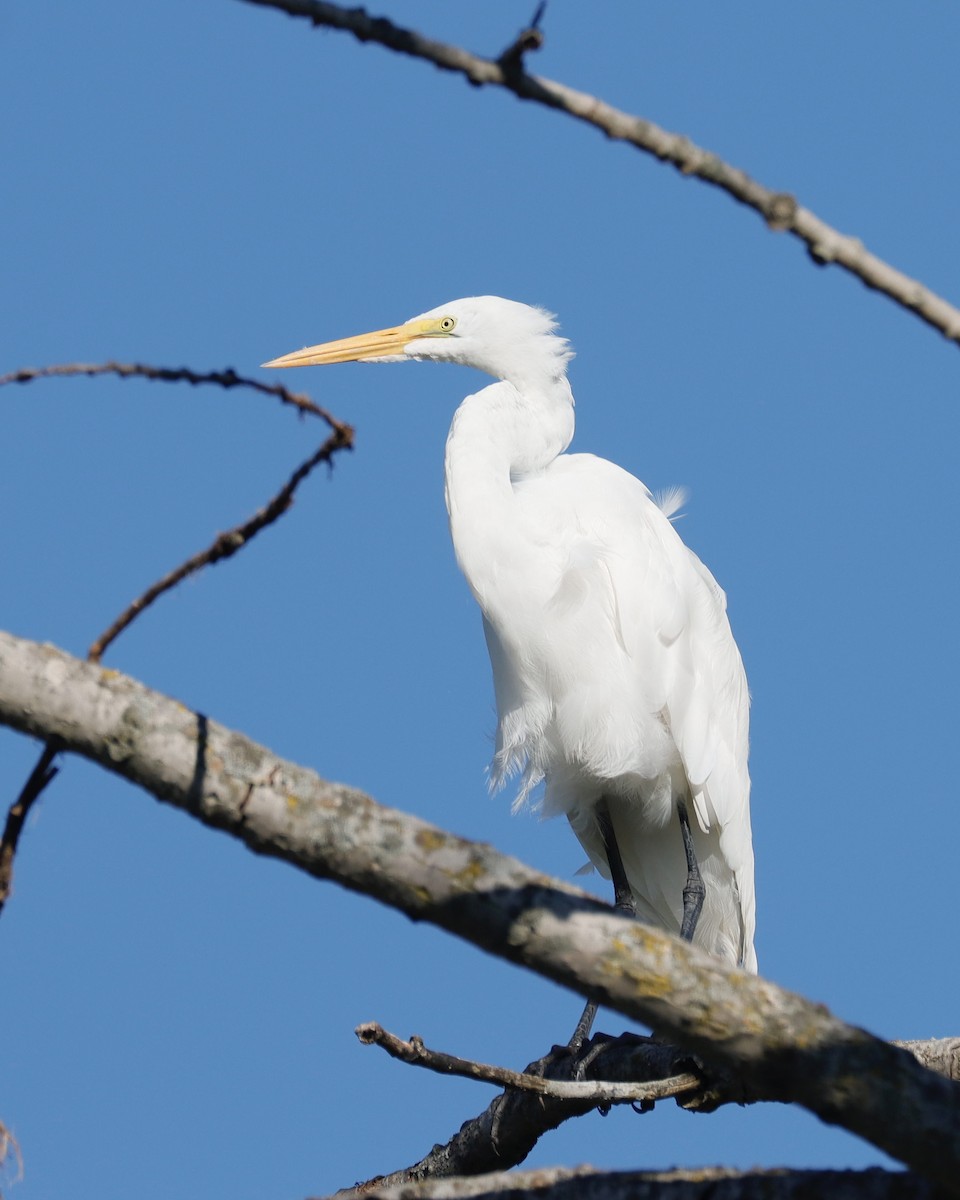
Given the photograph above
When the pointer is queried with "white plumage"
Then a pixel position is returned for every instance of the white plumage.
(615, 670)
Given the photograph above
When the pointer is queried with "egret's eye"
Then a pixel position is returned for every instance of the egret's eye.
(447, 324)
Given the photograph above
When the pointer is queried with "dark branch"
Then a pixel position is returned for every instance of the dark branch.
(41, 775)
(225, 379)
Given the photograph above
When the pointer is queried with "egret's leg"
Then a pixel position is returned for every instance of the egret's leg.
(623, 901)
(694, 889)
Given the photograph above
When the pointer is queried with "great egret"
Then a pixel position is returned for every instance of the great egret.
(617, 679)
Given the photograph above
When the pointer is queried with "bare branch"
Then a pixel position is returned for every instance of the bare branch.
(42, 774)
(716, 1183)
(596, 1092)
(507, 1130)
(225, 545)
(780, 210)
(10, 1151)
(784, 1047)
(225, 379)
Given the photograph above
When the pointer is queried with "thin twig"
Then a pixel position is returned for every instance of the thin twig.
(227, 544)
(511, 1125)
(10, 1148)
(226, 379)
(780, 210)
(598, 1092)
(42, 774)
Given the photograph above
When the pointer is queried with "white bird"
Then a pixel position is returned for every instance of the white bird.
(617, 679)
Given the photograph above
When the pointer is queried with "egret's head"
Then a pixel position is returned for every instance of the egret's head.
(506, 339)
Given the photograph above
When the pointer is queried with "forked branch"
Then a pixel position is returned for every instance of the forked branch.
(225, 545)
(599, 1092)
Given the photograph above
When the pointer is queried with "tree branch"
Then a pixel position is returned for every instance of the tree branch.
(42, 774)
(780, 210)
(225, 379)
(784, 1047)
(507, 1130)
(598, 1092)
(715, 1183)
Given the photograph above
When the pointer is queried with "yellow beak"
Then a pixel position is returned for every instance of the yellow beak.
(382, 343)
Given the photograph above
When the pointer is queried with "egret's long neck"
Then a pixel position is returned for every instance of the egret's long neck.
(499, 437)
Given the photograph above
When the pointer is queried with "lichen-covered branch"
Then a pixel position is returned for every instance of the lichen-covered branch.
(779, 210)
(783, 1046)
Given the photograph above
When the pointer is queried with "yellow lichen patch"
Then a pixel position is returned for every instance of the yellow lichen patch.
(468, 875)
(108, 673)
(430, 840)
(292, 803)
(618, 962)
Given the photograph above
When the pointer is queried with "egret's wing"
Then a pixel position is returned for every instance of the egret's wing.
(672, 624)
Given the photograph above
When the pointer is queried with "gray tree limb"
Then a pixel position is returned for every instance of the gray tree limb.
(780, 210)
(782, 1046)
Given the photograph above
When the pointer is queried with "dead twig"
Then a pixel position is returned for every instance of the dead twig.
(597, 1092)
(227, 378)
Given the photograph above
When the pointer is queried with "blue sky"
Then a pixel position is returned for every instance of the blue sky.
(219, 184)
